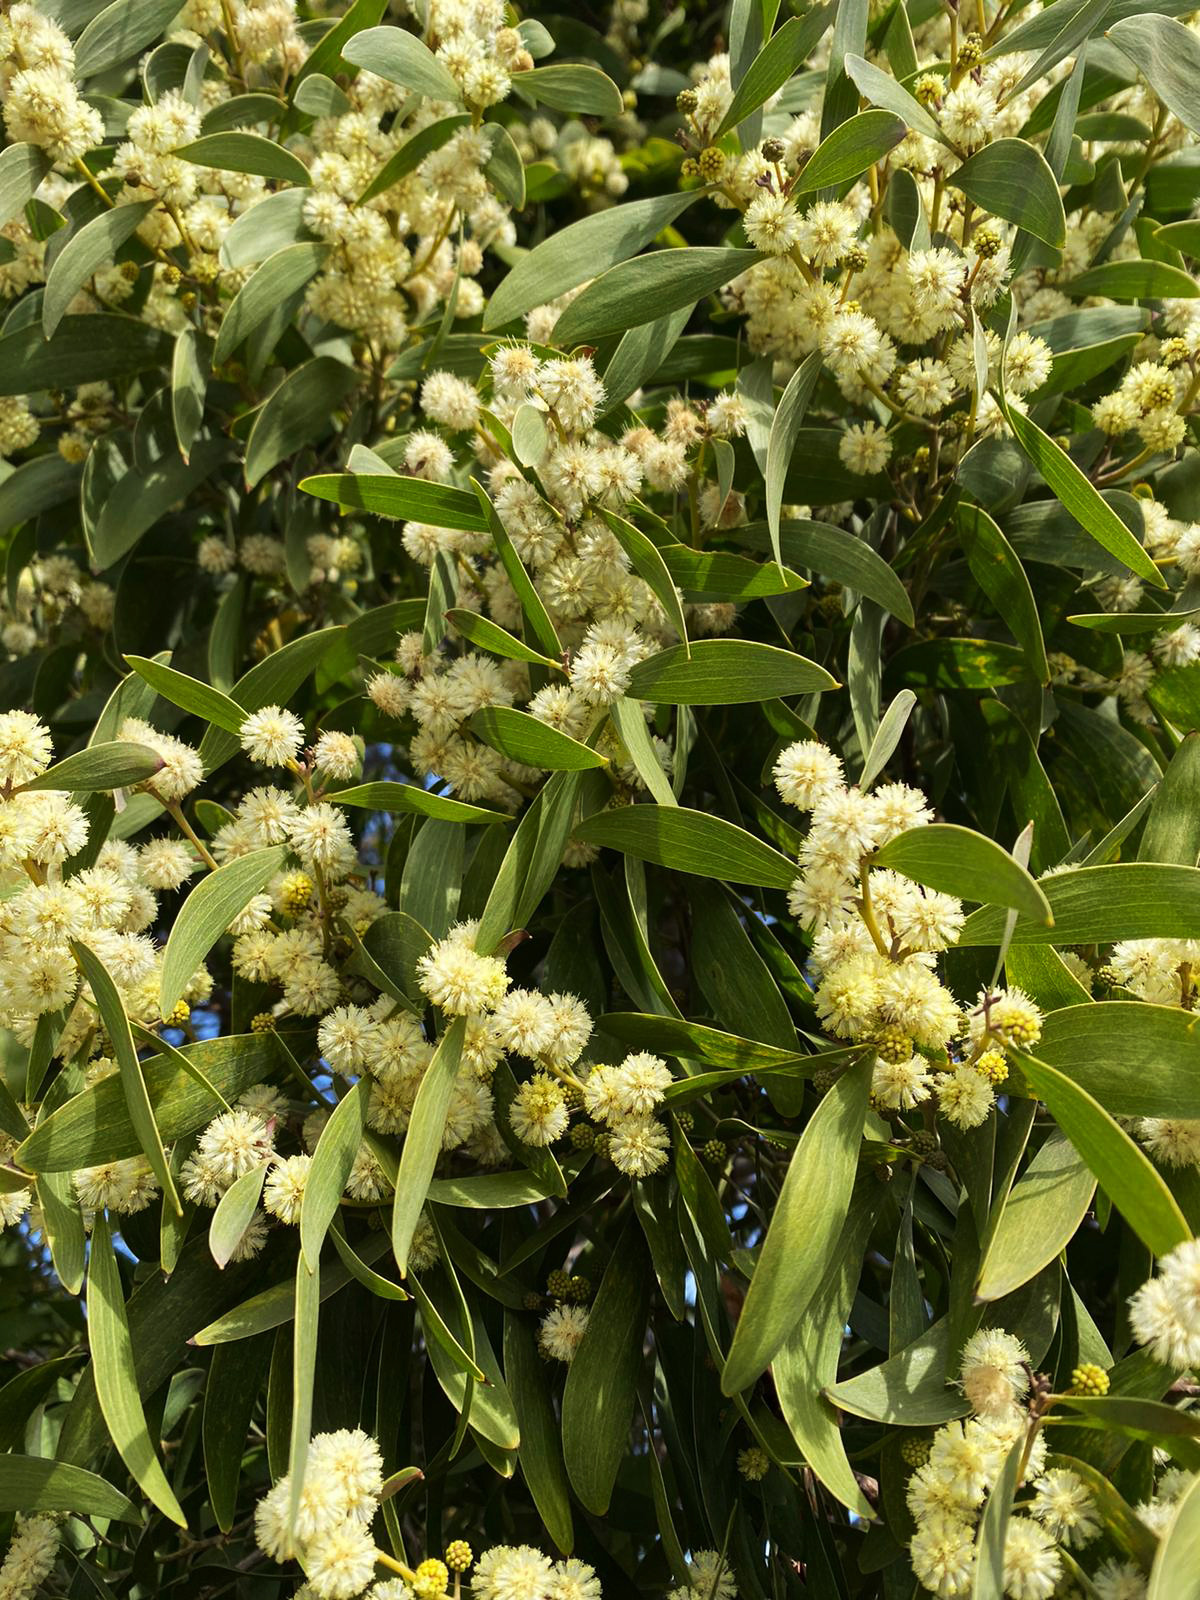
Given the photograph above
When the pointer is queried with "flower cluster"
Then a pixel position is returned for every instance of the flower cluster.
(328, 1531)
(875, 939)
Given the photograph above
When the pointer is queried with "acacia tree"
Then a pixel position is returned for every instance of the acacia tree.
(600, 803)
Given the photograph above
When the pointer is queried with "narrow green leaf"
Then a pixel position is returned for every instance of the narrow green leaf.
(306, 1318)
(137, 1098)
(201, 699)
(1041, 1215)
(804, 1230)
(1134, 280)
(1135, 1058)
(961, 862)
(574, 88)
(887, 737)
(646, 288)
(206, 914)
(838, 555)
(788, 417)
(116, 1378)
(234, 1213)
(598, 1399)
(630, 723)
(85, 252)
(296, 413)
(118, 32)
(1168, 56)
(531, 861)
(997, 570)
(189, 384)
(235, 1376)
(22, 168)
(650, 567)
(423, 1140)
(488, 635)
(537, 617)
(577, 253)
(523, 738)
(1010, 178)
(778, 60)
(541, 1451)
(725, 672)
(402, 797)
(412, 152)
(400, 57)
(883, 90)
(33, 1483)
(115, 765)
(246, 152)
(850, 149)
(1176, 1571)
(689, 841)
(1097, 905)
(988, 1580)
(279, 275)
(1084, 502)
(331, 1164)
(1126, 1174)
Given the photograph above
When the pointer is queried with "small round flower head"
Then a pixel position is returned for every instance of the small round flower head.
(1010, 1015)
(865, 448)
(942, 1554)
(1064, 1506)
(1165, 1312)
(512, 1573)
(350, 1459)
(24, 747)
(964, 1097)
(1119, 1580)
(574, 1580)
(459, 980)
(283, 1192)
(994, 1370)
(235, 1142)
(712, 1576)
(165, 863)
(345, 1036)
(430, 1579)
(561, 1332)
(336, 754)
(272, 737)
(572, 1029)
(807, 772)
(29, 1561)
(573, 388)
(341, 1562)
(900, 1085)
(449, 400)
(524, 1023)
(639, 1083)
(1032, 1564)
(638, 1146)
(539, 1112)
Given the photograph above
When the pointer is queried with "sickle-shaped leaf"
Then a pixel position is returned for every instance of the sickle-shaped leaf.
(804, 1230)
(423, 1140)
(85, 252)
(116, 1378)
(1128, 1176)
(207, 913)
(961, 862)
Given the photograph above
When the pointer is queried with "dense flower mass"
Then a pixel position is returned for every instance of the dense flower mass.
(599, 752)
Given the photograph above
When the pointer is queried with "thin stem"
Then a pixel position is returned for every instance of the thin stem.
(175, 812)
